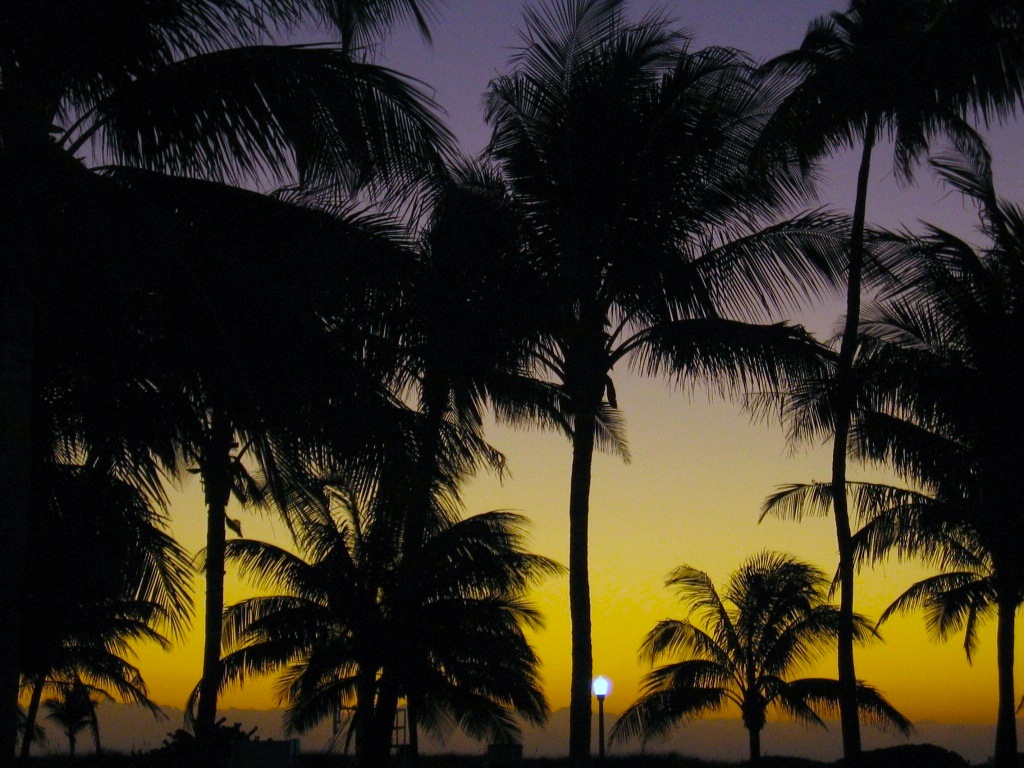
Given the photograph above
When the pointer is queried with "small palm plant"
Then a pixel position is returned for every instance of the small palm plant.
(74, 710)
(772, 619)
(361, 622)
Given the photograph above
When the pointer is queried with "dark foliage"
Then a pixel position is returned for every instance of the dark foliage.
(906, 756)
(181, 747)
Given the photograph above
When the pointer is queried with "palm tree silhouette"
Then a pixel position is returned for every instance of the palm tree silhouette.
(104, 575)
(771, 620)
(185, 88)
(74, 709)
(957, 328)
(156, 391)
(630, 158)
(449, 338)
(363, 621)
(904, 71)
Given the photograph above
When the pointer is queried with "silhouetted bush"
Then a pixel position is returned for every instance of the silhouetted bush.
(181, 747)
(906, 756)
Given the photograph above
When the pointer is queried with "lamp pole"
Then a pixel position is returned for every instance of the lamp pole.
(601, 688)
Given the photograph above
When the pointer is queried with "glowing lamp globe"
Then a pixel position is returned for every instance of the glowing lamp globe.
(601, 686)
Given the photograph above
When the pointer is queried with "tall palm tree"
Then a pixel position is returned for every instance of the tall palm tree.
(772, 619)
(952, 330)
(923, 526)
(188, 87)
(630, 157)
(145, 392)
(451, 340)
(363, 621)
(905, 72)
(959, 324)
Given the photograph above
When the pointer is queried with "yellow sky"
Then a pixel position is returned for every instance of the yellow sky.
(691, 495)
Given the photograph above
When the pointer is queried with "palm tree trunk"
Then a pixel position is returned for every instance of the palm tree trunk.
(94, 724)
(366, 692)
(434, 406)
(413, 754)
(580, 708)
(845, 400)
(379, 754)
(31, 716)
(215, 470)
(754, 737)
(1006, 724)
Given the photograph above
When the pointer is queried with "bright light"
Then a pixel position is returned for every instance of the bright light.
(601, 686)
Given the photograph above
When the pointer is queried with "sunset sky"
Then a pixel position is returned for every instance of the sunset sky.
(700, 469)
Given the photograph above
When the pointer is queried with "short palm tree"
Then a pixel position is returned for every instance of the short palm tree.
(104, 576)
(906, 71)
(74, 709)
(630, 157)
(363, 621)
(772, 619)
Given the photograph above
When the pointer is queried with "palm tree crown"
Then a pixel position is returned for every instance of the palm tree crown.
(364, 620)
(771, 620)
(74, 709)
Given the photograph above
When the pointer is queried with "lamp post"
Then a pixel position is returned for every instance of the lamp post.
(601, 687)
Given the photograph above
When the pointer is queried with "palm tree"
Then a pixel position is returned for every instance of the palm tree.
(38, 734)
(459, 336)
(450, 337)
(85, 618)
(243, 391)
(363, 621)
(630, 158)
(956, 330)
(74, 709)
(188, 88)
(772, 619)
(904, 71)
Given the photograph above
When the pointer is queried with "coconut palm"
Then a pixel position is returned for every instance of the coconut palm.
(956, 329)
(460, 333)
(74, 709)
(630, 157)
(771, 620)
(215, 367)
(451, 342)
(363, 621)
(104, 576)
(189, 88)
(905, 72)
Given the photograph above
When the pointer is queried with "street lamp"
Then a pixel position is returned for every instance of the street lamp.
(601, 687)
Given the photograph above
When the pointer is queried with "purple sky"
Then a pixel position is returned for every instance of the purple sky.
(474, 39)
